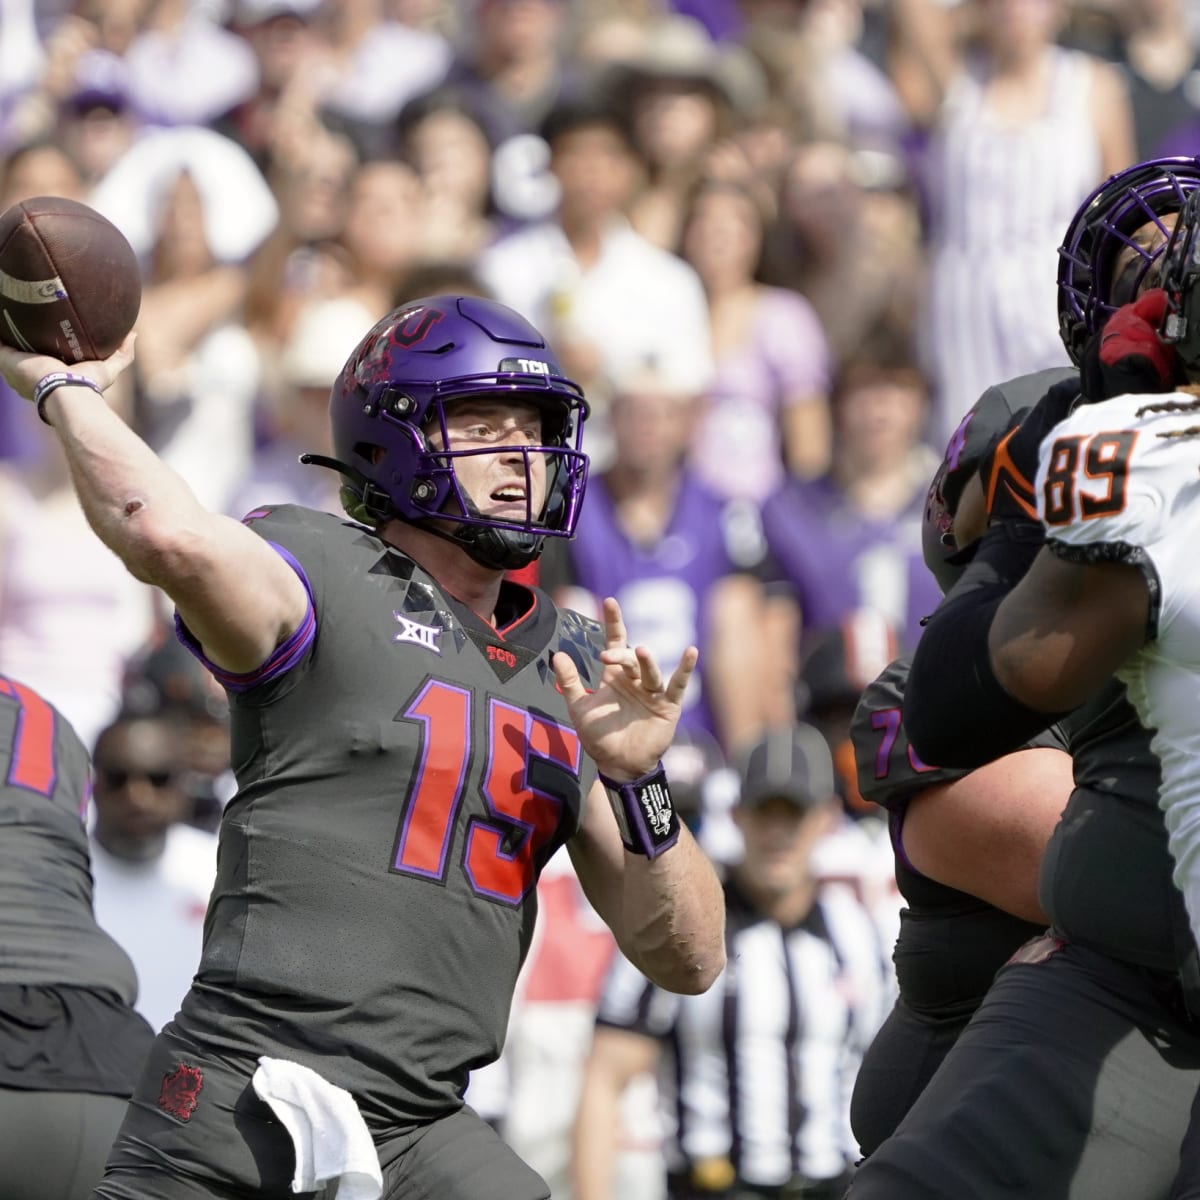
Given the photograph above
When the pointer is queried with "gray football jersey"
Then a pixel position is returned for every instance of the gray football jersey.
(404, 772)
(890, 773)
(48, 933)
(951, 944)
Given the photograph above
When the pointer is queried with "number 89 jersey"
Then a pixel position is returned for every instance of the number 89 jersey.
(404, 772)
(1117, 483)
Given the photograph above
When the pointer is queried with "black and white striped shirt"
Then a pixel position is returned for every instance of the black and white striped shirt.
(759, 1069)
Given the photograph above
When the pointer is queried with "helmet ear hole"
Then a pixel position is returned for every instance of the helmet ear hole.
(371, 451)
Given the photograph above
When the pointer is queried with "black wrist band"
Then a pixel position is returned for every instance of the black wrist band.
(645, 815)
(52, 382)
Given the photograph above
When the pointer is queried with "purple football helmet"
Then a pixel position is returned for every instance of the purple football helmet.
(392, 395)
(1104, 226)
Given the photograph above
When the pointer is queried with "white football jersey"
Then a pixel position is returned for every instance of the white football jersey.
(1112, 488)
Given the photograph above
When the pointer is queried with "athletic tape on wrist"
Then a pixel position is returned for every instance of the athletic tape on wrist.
(645, 815)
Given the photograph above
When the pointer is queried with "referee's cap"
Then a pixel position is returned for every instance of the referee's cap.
(787, 764)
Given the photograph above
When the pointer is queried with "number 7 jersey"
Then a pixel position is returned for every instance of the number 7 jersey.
(1117, 483)
(404, 772)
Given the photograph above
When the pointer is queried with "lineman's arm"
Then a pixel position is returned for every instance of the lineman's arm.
(1060, 634)
(617, 1057)
(238, 597)
(985, 832)
(1002, 658)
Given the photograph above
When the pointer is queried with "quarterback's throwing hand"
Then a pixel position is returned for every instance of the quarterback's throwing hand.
(628, 721)
(24, 371)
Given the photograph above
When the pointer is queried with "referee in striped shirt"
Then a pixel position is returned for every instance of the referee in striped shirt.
(755, 1075)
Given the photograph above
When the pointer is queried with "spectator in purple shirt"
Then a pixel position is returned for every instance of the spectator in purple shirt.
(851, 539)
(680, 560)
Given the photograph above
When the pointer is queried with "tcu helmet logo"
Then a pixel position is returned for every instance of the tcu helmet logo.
(527, 366)
(180, 1091)
(375, 350)
(415, 326)
(957, 443)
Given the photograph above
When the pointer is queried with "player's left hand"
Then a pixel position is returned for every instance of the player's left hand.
(1009, 464)
(627, 722)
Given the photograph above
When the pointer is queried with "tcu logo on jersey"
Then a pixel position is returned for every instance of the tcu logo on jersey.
(499, 654)
(417, 634)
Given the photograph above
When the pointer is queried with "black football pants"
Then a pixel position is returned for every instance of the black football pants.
(896, 1068)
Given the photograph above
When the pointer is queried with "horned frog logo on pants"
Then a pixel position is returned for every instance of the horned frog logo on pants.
(180, 1091)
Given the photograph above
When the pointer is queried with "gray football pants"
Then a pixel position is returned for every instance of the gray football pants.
(53, 1144)
(1073, 1081)
(231, 1146)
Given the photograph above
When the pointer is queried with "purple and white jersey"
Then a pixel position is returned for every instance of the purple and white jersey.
(836, 560)
(663, 586)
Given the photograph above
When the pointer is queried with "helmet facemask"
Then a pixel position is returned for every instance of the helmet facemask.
(1127, 220)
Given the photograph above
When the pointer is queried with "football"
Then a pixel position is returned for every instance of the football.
(70, 283)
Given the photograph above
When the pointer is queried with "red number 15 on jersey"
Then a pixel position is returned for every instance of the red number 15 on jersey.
(499, 855)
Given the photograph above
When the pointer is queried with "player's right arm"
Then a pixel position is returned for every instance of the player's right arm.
(985, 833)
(237, 596)
(982, 832)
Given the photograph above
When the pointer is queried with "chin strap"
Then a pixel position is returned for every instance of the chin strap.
(369, 504)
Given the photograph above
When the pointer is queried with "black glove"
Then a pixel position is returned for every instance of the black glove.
(1128, 356)
(1009, 465)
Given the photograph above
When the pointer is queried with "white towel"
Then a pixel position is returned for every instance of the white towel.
(326, 1128)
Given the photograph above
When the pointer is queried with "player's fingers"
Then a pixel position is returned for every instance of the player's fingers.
(682, 675)
(120, 358)
(626, 659)
(651, 676)
(615, 634)
(567, 675)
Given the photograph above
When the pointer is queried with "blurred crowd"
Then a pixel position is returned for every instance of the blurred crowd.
(783, 244)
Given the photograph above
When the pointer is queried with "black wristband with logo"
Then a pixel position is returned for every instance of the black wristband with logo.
(645, 815)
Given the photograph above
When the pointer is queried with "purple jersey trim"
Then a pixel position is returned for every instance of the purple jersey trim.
(896, 830)
(283, 658)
